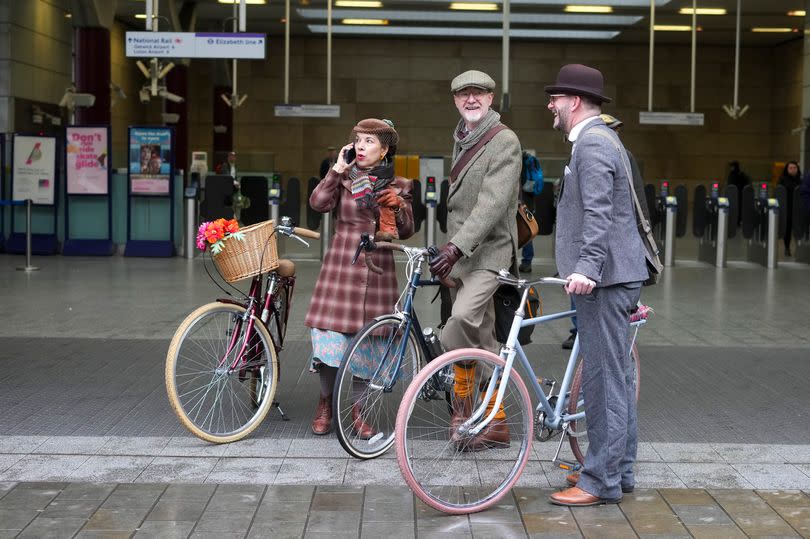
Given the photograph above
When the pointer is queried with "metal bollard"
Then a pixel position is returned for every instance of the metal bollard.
(326, 230)
(28, 267)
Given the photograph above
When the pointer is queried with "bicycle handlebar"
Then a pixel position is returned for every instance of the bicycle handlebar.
(507, 278)
(368, 244)
(307, 233)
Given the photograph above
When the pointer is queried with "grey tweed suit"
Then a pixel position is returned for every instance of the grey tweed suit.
(597, 236)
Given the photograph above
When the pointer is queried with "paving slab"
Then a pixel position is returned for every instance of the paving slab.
(245, 470)
(164, 529)
(71, 445)
(709, 475)
(45, 528)
(43, 468)
(781, 476)
(120, 469)
(311, 471)
(134, 445)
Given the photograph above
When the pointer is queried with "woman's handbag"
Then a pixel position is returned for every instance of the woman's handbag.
(527, 226)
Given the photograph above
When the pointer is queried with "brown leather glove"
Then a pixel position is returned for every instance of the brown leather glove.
(389, 199)
(448, 255)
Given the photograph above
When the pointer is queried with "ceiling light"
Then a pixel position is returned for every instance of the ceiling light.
(703, 11)
(766, 30)
(457, 31)
(588, 9)
(358, 3)
(368, 22)
(68, 15)
(796, 13)
(568, 19)
(256, 2)
(674, 28)
(474, 6)
(140, 15)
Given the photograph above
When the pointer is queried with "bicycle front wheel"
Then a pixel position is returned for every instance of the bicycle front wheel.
(578, 430)
(448, 470)
(380, 363)
(221, 380)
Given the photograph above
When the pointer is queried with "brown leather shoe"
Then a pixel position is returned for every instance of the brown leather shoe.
(462, 409)
(573, 478)
(363, 430)
(322, 423)
(493, 436)
(576, 497)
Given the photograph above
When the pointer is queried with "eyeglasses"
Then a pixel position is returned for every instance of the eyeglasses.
(466, 93)
(553, 97)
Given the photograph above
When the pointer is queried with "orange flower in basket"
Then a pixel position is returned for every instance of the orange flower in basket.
(231, 226)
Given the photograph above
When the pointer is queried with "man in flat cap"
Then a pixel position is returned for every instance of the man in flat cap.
(482, 232)
(600, 252)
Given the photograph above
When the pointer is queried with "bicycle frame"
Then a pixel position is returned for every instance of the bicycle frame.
(411, 320)
(273, 281)
(555, 417)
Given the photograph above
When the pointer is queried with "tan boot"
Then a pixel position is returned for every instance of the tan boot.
(363, 430)
(462, 409)
(322, 423)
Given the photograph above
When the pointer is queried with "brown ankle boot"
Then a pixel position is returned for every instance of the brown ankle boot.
(363, 430)
(322, 423)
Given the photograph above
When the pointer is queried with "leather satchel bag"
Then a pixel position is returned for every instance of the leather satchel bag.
(651, 254)
(527, 225)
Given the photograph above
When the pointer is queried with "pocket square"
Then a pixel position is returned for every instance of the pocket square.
(567, 170)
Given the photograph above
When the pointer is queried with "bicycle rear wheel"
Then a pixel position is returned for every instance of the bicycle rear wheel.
(439, 463)
(213, 401)
(578, 430)
(369, 388)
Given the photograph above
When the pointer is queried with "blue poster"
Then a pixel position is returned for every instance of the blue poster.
(150, 160)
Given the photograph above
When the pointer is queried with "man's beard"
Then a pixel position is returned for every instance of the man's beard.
(473, 116)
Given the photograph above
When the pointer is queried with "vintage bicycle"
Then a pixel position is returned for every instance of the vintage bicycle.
(389, 351)
(222, 366)
(439, 460)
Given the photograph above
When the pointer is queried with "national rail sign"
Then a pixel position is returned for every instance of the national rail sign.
(195, 45)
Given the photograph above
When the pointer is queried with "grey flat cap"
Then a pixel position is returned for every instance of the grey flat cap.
(478, 79)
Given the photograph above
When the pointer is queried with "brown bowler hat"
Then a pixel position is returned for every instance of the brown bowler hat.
(578, 79)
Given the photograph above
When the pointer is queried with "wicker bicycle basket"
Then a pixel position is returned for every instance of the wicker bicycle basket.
(256, 254)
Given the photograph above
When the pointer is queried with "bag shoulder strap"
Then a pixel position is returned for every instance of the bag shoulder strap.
(645, 225)
(472, 152)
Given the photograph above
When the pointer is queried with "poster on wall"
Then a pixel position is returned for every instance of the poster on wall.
(33, 169)
(88, 160)
(150, 160)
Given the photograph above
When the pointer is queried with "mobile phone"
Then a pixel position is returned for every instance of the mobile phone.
(349, 155)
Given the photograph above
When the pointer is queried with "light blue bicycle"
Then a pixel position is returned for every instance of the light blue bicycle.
(440, 460)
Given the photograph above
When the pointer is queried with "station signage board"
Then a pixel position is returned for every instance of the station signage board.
(308, 111)
(195, 45)
(670, 118)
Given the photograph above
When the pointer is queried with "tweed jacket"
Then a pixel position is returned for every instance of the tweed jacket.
(482, 204)
(347, 296)
(596, 233)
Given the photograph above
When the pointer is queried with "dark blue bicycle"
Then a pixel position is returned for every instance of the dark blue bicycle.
(382, 359)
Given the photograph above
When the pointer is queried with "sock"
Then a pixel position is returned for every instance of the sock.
(464, 379)
(327, 375)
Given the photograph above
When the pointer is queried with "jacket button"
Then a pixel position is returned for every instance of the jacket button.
(449, 211)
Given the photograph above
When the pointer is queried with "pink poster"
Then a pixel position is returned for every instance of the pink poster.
(88, 161)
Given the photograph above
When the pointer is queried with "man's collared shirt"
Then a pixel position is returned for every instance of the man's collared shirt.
(577, 129)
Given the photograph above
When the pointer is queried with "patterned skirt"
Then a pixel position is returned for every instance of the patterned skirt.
(329, 347)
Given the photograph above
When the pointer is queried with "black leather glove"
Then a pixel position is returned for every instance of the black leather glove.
(448, 255)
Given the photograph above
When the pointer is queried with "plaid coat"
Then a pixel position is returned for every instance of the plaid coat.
(346, 296)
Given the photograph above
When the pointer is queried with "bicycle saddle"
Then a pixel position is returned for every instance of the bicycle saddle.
(286, 268)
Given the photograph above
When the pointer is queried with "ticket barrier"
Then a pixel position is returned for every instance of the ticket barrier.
(217, 198)
(274, 197)
(432, 199)
(801, 228)
(671, 219)
(290, 205)
(714, 222)
(761, 223)
(253, 190)
(417, 205)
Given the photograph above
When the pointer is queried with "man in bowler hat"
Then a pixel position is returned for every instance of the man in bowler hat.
(600, 252)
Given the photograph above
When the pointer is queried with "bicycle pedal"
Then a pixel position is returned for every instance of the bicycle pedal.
(567, 465)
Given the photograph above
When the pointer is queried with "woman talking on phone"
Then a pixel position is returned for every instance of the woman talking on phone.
(369, 198)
